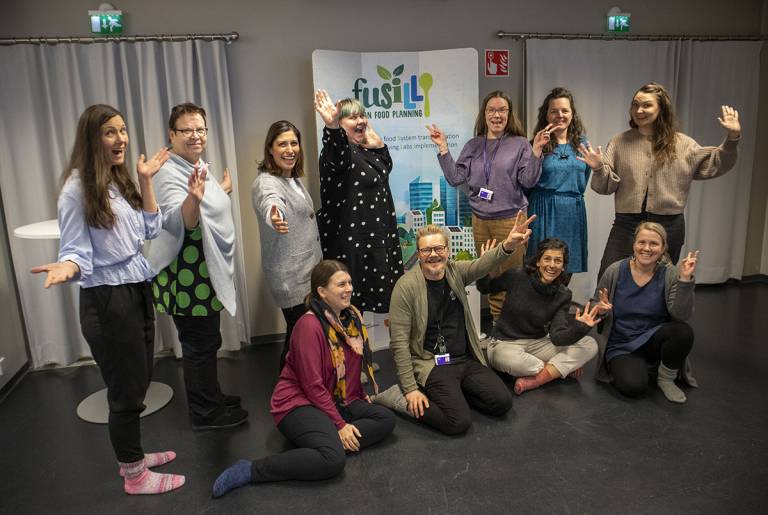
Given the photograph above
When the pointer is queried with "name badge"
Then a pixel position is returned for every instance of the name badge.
(486, 194)
(442, 359)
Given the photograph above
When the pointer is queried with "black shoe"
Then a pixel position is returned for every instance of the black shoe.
(231, 417)
(230, 401)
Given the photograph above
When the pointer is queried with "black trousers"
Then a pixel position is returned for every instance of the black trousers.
(200, 339)
(453, 388)
(320, 454)
(621, 238)
(670, 345)
(291, 316)
(118, 322)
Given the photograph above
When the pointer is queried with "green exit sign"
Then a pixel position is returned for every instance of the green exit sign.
(106, 22)
(618, 22)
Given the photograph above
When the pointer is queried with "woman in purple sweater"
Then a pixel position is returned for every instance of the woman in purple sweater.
(495, 165)
(319, 403)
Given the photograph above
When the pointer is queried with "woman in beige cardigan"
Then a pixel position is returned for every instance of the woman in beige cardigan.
(650, 167)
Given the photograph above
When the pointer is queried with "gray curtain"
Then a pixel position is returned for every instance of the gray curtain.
(43, 90)
(700, 76)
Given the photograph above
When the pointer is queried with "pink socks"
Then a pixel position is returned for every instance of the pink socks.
(140, 480)
(155, 459)
(523, 384)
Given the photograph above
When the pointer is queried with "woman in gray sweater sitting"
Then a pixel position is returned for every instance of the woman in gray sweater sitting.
(535, 338)
(290, 242)
(645, 300)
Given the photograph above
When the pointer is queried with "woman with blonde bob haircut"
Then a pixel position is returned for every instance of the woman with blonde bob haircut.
(650, 167)
(644, 301)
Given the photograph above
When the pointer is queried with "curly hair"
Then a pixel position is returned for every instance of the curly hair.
(575, 130)
(664, 127)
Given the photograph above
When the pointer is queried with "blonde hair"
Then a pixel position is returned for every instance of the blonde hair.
(658, 229)
(429, 230)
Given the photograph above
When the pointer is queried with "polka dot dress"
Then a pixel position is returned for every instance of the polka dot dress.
(357, 219)
(184, 287)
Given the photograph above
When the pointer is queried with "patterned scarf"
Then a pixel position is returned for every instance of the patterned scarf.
(349, 326)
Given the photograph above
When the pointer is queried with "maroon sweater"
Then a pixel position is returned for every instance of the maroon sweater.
(308, 377)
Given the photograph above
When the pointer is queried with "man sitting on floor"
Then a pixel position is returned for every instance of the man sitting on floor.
(440, 366)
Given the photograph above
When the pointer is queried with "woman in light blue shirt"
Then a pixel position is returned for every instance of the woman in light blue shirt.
(104, 220)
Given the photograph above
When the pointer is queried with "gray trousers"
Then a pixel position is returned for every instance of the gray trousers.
(522, 358)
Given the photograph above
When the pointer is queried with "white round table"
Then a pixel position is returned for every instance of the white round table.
(94, 408)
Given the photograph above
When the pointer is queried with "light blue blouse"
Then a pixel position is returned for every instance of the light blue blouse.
(105, 256)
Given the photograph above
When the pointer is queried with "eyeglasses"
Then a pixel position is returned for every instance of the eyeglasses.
(438, 249)
(492, 111)
(189, 132)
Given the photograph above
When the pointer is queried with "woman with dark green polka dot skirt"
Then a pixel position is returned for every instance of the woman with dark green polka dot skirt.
(194, 257)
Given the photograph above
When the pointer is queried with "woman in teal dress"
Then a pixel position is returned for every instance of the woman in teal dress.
(557, 200)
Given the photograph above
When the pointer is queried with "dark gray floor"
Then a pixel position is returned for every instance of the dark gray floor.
(570, 447)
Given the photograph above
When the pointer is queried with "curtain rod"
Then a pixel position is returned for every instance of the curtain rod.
(229, 38)
(628, 37)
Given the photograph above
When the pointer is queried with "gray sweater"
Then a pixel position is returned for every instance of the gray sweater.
(287, 259)
(678, 296)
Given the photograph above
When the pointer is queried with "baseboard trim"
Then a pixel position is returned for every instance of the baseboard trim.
(14, 382)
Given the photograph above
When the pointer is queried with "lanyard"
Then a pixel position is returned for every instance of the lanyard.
(486, 163)
(440, 340)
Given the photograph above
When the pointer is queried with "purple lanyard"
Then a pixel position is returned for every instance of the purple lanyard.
(487, 164)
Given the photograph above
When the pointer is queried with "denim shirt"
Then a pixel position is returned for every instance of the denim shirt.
(105, 256)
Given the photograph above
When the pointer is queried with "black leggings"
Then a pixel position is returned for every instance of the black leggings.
(320, 454)
(291, 316)
(670, 345)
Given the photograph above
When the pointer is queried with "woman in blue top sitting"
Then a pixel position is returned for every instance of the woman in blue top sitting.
(645, 301)
(104, 221)
(557, 200)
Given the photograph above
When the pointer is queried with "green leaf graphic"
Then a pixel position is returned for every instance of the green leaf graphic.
(397, 71)
(383, 72)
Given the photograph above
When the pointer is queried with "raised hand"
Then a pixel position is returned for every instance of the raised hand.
(437, 136)
(687, 266)
(349, 435)
(278, 223)
(147, 168)
(603, 305)
(520, 232)
(542, 138)
(226, 182)
(730, 122)
(57, 272)
(196, 183)
(328, 111)
(589, 156)
(488, 245)
(591, 317)
(371, 139)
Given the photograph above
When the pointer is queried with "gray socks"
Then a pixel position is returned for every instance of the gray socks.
(666, 382)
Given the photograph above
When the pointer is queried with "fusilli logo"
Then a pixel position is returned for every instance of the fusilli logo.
(412, 93)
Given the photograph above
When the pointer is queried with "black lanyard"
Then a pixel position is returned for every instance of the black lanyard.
(440, 340)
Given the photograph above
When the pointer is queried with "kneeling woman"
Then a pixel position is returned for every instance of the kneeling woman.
(535, 338)
(319, 403)
(645, 300)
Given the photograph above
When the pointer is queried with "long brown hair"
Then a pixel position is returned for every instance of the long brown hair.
(665, 127)
(575, 129)
(321, 276)
(513, 128)
(95, 171)
(268, 164)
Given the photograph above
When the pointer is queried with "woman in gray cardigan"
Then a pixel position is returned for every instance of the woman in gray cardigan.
(645, 301)
(290, 242)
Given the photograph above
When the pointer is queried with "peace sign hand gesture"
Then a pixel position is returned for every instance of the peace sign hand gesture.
(588, 155)
(542, 138)
(730, 122)
(687, 266)
(519, 234)
(603, 305)
(591, 317)
(328, 111)
(437, 136)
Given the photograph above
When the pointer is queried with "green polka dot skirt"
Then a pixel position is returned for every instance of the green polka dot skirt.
(184, 287)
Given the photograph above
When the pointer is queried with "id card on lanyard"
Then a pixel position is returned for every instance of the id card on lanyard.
(486, 193)
(440, 350)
